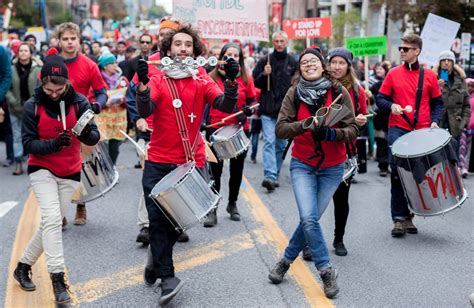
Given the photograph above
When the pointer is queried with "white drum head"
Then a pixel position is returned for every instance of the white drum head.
(420, 142)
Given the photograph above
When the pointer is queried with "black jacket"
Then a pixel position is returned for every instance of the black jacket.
(30, 123)
(284, 67)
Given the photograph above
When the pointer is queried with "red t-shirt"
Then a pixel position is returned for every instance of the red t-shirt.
(84, 75)
(335, 152)
(246, 93)
(401, 84)
(67, 161)
(166, 145)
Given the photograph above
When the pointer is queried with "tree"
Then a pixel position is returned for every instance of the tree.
(157, 12)
(112, 9)
(456, 10)
(340, 21)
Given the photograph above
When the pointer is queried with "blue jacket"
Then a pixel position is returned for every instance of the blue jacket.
(5, 73)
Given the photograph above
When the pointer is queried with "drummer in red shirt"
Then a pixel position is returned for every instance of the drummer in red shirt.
(246, 98)
(398, 91)
(188, 91)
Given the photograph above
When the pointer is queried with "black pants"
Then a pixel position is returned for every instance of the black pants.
(163, 235)
(341, 209)
(382, 153)
(114, 146)
(236, 172)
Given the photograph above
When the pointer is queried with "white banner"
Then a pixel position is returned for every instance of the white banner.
(225, 19)
(438, 34)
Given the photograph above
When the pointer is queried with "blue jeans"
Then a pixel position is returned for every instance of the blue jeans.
(254, 138)
(273, 149)
(398, 201)
(17, 143)
(313, 192)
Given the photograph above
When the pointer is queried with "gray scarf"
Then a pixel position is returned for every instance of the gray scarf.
(311, 91)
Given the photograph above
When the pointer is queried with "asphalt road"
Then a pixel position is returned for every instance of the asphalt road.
(227, 266)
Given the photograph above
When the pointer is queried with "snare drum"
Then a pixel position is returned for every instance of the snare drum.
(86, 117)
(350, 168)
(229, 141)
(426, 161)
(98, 175)
(184, 196)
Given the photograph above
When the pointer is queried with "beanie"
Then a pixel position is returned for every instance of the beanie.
(447, 55)
(342, 52)
(105, 59)
(169, 22)
(313, 51)
(28, 36)
(54, 66)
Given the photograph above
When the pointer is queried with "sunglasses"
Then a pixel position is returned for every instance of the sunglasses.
(145, 42)
(405, 49)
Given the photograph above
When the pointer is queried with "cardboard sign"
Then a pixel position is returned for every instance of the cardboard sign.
(438, 34)
(308, 27)
(225, 19)
(367, 46)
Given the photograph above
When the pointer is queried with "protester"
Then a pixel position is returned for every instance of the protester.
(273, 76)
(398, 91)
(25, 70)
(54, 167)
(317, 161)
(5, 83)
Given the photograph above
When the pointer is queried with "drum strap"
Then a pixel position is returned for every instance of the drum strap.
(189, 150)
(419, 91)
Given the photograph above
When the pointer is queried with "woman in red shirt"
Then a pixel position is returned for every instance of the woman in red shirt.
(246, 98)
(317, 160)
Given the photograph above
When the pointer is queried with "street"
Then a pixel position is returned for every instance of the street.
(227, 266)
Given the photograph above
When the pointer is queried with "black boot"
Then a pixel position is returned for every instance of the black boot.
(23, 274)
(60, 288)
(211, 219)
(232, 210)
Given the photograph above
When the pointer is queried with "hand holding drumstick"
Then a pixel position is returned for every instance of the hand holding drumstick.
(397, 109)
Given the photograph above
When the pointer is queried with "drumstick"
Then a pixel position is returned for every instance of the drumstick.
(337, 98)
(62, 107)
(408, 109)
(231, 116)
(139, 148)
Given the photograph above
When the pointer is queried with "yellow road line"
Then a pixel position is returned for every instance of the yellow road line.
(302, 274)
(95, 289)
(43, 296)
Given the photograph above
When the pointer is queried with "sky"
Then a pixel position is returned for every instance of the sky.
(168, 4)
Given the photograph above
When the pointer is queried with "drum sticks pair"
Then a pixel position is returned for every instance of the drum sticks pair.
(230, 117)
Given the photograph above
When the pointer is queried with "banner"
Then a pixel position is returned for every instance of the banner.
(308, 27)
(225, 19)
(438, 34)
(276, 12)
(367, 46)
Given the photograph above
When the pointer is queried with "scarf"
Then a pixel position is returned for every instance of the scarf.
(24, 73)
(313, 91)
(178, 73)
(111, 80)
(347, 81)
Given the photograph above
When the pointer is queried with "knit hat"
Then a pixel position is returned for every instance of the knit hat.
(28, 36)
(54, 65)
(311, 51)
(105, 59)
(169, 22)
(469, 80)
(342, 52)
(447, 55)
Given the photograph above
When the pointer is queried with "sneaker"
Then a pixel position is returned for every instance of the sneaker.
(329, 277)
(383, 173)
(23, 274)
(340, 249)
(307, 254)
(232, 210)
(144, 236)
(211, 219)
(278, 272)
(149, 274)
(409, 226)
(269, 185)
(253, 161)
(7, 163)
(169, 288)
(398, 229)
(183, 237)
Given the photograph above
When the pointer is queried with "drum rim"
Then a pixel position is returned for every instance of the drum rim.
(426, 153)
(240, 127)
(464, 197)
(115, 182)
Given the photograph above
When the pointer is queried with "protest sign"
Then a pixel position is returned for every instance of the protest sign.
(438, 34)
(367, 46)
(225, 19)
(304, 28)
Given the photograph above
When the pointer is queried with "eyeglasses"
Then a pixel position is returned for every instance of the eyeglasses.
(51, 92)
(405, 49)
(310, 62)
(145, 42)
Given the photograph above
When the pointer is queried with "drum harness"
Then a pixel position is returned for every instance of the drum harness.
(189, 150)
(419, 91)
